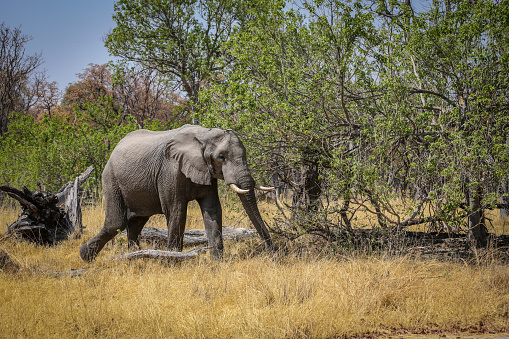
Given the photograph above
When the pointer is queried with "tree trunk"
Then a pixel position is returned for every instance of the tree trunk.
(504, 199)
(70, 194)
(477, 231)
(307, 189)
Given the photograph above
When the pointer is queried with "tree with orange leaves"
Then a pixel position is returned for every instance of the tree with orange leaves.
(135, 92)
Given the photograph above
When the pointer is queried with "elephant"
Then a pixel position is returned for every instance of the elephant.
(159, 172)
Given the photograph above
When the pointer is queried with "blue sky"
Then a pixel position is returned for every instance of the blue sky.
(69, 33)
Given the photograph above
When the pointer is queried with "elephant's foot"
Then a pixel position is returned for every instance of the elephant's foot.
(216, 253)
(133, 244)
(88, 253)
(269, 245)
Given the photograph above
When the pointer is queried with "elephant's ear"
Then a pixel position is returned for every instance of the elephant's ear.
(187, 150)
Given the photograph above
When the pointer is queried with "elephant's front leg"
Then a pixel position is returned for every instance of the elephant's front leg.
(176, 220)
(212, 218)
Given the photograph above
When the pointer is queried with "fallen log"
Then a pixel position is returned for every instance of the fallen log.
(42, 220)
(159, 236)
(71, 273)
(165, 256)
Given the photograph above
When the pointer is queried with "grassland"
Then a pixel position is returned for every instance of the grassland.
(248, 295)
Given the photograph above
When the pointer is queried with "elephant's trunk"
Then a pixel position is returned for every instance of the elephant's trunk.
(249, 202)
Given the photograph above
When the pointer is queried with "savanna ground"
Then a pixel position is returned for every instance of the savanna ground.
(299, 294)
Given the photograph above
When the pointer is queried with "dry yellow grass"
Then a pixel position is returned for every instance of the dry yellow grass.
(245, 296)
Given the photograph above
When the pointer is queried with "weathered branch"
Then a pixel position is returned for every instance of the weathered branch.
(165, 256)
(42, 220)
(411, 222)
(408, 221)
(427, 91)
(64, 191)
(193, 237)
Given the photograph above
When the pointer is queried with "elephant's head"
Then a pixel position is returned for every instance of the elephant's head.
(205, 154)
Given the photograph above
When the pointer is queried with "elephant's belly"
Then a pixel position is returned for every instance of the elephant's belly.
(143, 204)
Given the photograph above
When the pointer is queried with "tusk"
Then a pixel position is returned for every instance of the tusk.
(266, 189)
(237, 189)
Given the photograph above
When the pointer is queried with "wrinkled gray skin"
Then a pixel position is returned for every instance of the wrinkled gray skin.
(160, 172)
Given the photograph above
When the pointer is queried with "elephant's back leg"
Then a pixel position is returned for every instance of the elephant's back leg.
(134, 227)
(115, 221)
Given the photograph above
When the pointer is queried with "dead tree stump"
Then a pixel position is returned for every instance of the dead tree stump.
(42, 221)
(70, 194)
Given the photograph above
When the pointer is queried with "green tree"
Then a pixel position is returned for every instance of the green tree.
(37, 154)
(290, 91)
(383, 102)
(183, 40)
(446, 95)
(48, 153)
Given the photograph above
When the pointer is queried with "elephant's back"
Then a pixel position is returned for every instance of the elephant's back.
(147, 138)
(138, 154)
(141, 145)
(146, 147)
(144, 137)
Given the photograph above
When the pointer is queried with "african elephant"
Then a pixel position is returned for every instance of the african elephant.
(160, 172)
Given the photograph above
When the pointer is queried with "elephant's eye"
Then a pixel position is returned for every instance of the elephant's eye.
(221, 157)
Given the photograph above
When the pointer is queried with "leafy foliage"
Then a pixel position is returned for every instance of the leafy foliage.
(373, 106)
(381, 101)
(180, 39)
(134, 91)
(50, 152)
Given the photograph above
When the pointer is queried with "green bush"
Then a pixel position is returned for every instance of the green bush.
(48, 153)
